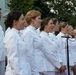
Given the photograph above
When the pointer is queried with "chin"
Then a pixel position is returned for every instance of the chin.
(22, 28)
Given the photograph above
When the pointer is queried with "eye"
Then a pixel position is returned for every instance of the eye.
(51, 23)
(22, 18)
(39, 18)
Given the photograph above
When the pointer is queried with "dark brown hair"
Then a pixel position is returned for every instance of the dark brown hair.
(55, 20)
(44, 23)
(14, 15)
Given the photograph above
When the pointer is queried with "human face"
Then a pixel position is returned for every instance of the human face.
(70, 31)
(56, 27)
(37, 22)
(65, 29)
(75, 35)
(50, 26)
(26, 24)
(20, 24)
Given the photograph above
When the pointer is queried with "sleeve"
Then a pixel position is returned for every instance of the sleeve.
(58, 41)
(13, 55)
(50, 54)
(29, 40)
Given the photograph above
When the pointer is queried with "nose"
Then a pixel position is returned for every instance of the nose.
(53, 25)
(41, 20)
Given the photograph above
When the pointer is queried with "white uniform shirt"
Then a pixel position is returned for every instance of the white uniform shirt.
(52, 36)
(38, 31)
(2, 49)
(50, 52)
(54, 39)
(63, 49)
(34, 45)
(72, 50)
(18, 63)
(8, 29)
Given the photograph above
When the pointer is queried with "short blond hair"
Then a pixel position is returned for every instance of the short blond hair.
(63, 24)
(74, 30)
(70, 26)
(31, 14)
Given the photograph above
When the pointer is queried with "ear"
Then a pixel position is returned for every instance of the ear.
(14, 22)
(45, 27)
(32, 20)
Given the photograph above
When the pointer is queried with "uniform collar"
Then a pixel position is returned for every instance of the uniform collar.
(45, 33)
(32, 27)
(62, 34)
(15, 30)
(52, 33)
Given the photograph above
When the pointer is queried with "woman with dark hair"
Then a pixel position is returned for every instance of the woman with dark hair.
(55, 29)
(18, 63)
(50, 48)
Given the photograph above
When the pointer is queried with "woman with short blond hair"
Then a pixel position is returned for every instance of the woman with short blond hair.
(32, 14)
(33, 41)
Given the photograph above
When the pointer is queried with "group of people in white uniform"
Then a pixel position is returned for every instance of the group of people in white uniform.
(32, 47)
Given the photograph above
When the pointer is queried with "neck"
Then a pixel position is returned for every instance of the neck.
(46, 30)
(63, 32)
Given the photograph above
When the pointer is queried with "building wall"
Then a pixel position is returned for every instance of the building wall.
(5, 11)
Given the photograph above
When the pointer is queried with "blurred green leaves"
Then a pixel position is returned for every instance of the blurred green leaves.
(64, 10)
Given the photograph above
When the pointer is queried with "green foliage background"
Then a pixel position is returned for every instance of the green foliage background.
(64, 10)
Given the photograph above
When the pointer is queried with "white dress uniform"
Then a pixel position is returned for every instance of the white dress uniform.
(38, 31)
(63, 46)
(2, 52)
(54, 39)
(51, 54)
(63, 51)
(52, 36)
(34, 46)
(8, 29)
(18, 63)
(72, 45)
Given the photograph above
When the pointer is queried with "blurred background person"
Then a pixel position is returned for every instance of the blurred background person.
(2, 49)
(64, 28)
(72, 47)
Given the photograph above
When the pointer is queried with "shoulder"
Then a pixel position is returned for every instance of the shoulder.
(27, 33)
(59, 35)
(42, 36)
(11, 35)
(7, 30)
